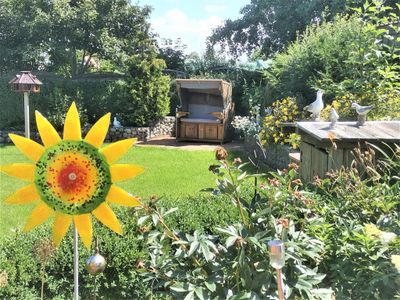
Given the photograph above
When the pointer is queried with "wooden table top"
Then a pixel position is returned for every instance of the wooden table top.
(384, 131)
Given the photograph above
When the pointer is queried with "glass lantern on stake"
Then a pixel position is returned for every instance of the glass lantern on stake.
(277, 261)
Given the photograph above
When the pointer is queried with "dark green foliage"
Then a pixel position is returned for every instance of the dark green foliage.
(201, 212)
(63, 36)
(339, 233)
(353, 59)
(268, 26)
(95, 95)
(173, 54)
(148, 90)
(119, 280)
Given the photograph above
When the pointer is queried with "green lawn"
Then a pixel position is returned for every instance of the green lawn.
(168, 173)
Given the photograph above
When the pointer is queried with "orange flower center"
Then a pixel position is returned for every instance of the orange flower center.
(72, 178)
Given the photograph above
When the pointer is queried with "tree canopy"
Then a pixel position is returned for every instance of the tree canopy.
(64, 35)
(270, 25)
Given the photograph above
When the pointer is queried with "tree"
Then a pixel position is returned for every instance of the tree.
(270, 25)
(352, 59)
(24, 25)
(148, 89)
(64, 35)
(173, 53)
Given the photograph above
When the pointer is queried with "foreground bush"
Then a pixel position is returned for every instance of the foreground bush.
(340, 235)
(120, 280)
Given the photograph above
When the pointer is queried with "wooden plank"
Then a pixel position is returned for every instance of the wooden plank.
(220, 132)
(305, 165)
(201, 131)
(319, 162)
(335, 159)
(182, 130)
(388, 131)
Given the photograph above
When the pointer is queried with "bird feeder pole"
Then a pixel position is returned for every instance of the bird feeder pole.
(26, 113)
(26, 83)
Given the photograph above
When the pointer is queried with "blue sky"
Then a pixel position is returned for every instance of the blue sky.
(191, 20)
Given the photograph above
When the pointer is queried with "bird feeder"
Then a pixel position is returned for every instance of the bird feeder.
(26, 83)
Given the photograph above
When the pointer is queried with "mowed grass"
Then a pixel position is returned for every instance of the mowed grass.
(169, 173)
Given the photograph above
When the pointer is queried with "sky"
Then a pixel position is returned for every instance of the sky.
(191, 20)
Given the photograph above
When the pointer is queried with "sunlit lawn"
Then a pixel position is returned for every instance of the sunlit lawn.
(168, 173)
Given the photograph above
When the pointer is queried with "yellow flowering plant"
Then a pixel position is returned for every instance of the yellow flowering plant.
(281, 111)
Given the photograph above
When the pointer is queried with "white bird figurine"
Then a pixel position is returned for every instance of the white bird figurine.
(333, 117)
(116, 123)
(361, 110)
(316, 107)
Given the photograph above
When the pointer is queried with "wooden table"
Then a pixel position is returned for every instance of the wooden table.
(324, 148)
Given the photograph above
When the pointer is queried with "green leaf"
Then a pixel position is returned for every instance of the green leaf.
(193, 247)
(141, 220)
(189, 296)
(180, 287)
(199, 293)
(211, 286)
(206, 251)
(230, 241)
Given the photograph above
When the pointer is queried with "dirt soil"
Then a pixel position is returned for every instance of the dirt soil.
(171, 142)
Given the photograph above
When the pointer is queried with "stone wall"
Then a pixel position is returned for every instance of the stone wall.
(165, 126)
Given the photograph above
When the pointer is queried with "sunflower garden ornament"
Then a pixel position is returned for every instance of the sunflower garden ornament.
(72, 178)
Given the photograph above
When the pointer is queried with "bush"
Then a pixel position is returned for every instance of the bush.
(120, 279)
(201, 212)
(353, 57)
(94, 94)
(340, 234)
(281, 111)
(148, 90)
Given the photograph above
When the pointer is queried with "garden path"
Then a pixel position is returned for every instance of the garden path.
(171, 142)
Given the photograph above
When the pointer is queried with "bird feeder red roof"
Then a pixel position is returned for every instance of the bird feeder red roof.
(25, 82)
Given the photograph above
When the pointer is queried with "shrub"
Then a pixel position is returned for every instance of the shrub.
(201, 212)
(120, 279)
(94, 94)
(148, 90)
(341, 226)
(353, 57)
(281, 111)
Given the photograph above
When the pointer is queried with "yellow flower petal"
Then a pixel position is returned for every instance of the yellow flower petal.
(119, 196)
(29, 148)
(21, 171)
(60, 227)
(72, 124)
(39, 214)
(83, 224)
(24, 195)
(115, 150)
(98, 132)
(47, 132)
(121, 172)
(106, 216)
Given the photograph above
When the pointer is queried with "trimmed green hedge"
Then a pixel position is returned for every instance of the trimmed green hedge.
(121, 279)
(95, 95)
